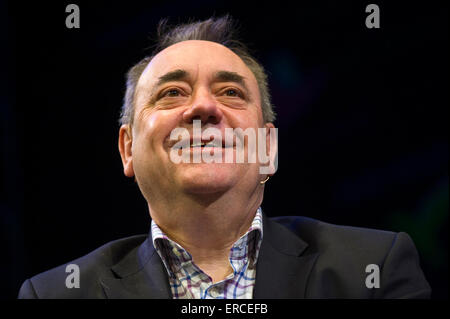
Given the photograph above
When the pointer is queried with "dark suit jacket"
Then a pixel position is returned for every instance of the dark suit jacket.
(300, 258)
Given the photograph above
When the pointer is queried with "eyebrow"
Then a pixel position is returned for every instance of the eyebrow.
(227, 76)
(219, 76)
(183, 75)
(176, 75)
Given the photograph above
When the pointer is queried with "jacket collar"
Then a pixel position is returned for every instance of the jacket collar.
(140, 275)
(284, 264)
(282, 270)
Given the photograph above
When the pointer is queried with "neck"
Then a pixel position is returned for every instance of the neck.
(207, 226)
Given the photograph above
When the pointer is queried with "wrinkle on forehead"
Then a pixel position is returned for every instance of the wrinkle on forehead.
(179, 56)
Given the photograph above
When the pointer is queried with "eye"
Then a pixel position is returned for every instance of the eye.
(171, 93)
(232, 92)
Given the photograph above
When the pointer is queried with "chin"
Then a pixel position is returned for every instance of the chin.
(208, 178)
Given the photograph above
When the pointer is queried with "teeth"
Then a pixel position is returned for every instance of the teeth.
(197, 144)
(212, 144)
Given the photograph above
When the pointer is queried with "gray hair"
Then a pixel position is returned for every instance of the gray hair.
(220, 30)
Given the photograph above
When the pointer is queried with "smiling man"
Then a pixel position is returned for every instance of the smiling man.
(209, 237)
(204, 207)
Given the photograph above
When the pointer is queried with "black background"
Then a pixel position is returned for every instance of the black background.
(362, 118)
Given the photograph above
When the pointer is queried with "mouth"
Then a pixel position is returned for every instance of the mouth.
(199, 144)
(210, 144)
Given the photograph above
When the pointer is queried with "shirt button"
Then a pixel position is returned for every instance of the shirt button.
(214, 291)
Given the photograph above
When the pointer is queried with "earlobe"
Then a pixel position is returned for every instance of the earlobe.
(125, 149)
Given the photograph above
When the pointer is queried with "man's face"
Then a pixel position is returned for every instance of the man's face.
(191, 80)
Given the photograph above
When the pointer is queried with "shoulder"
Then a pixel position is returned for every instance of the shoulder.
(345, 252)
(340, 248)
(323, 236)
(91, 267)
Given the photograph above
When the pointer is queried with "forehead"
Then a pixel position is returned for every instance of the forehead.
(199, 58)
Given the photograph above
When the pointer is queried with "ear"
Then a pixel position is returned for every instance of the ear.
(125, 149)
(272, 147)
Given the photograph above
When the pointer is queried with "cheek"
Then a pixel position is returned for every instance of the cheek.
(249, 118)
(152, 122)
(154, 127)
(147, 119)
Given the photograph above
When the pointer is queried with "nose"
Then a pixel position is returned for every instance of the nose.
(204, 108)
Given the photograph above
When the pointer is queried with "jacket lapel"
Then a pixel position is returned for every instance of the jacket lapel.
(282, 270)
(284, 264)
(140, 275)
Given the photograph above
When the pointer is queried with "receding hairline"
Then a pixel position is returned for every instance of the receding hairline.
(212, 43)
(184, 42)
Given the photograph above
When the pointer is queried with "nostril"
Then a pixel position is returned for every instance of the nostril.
(204, 120)
(213, 119)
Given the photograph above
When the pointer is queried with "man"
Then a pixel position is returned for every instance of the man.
(209, 237)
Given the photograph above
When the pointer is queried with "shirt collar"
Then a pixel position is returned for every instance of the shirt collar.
(174, 256)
